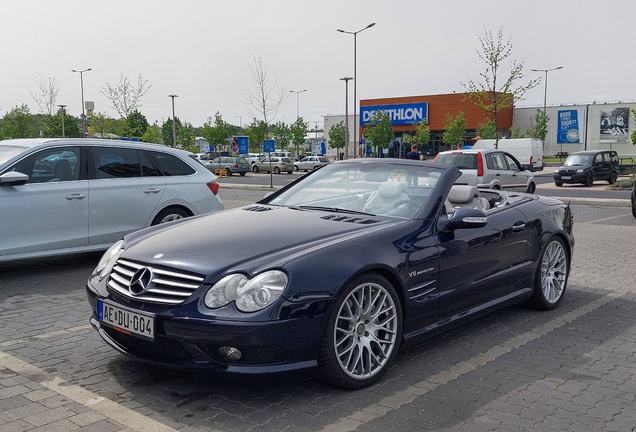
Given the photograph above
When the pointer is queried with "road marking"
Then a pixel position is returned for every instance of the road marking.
(371, 412)
(112, 410)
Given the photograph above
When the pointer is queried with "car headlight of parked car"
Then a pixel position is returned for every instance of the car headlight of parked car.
(250, 295)
(108, 260)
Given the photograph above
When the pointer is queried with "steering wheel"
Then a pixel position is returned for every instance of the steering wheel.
(407, 202)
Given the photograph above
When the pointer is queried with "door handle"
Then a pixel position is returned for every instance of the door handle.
(153, 190)
(518, 226)
(77, 196)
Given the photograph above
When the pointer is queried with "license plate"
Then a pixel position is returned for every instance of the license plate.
(566, 178)
(127, 321)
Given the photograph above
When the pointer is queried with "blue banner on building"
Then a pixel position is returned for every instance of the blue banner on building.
(568, 132)
(401, 114)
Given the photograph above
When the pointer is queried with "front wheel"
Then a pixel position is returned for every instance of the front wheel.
(295, 167)
(290, 172)
(276, 170)
(589, 181)
(362, 335)
(551, 276)
(531, 188)
(558, 183)
(255, 169)
(613, 178)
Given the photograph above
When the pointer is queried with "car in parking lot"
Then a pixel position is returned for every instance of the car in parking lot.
(276, 165)
(489, 169)
(634, 199)
(588, 166)
(308, 163)
(375, 264)
(76, 195)
(230, 164)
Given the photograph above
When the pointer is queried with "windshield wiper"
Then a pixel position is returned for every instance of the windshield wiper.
(335, 210)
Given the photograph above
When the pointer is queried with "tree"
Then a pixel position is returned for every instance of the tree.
(71, 126)
(261, 98)
(125, 97)
(152, 135)
(298, 132)
(633, 135)
(496, 93)
(379, 130)
(46, 94)
(282, 135)
(455, 129)
(101, 124)
(166, 131)
(515, 132)
(135, 124)
(186, 137)
(256, 133)
(487, 129)
(217, 134)
(17, 123)
(538, 126)
(337, 138)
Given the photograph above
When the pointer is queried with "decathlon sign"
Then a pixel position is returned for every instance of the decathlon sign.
(401, 114)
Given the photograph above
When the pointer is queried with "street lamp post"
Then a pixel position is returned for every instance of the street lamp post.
(81, 72)
(346, 151)
(545, 93)
(63, 115)
(297, 99)
(240, 123)
(355, 100)
(174, 129)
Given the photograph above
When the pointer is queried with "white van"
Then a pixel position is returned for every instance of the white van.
(529, 151)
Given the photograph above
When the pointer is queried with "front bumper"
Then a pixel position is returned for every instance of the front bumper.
(570, 178)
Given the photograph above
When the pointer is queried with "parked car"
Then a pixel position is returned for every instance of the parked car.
(309, 163)
(202, 156)
(373, 265)
(95, 192)
(283, 154)
(254, 157)
(634, 199)
(489, 169)
(275, 164)
(528, 151)
(587, 167)
(231, 164)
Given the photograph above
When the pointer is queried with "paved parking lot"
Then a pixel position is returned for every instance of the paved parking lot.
(571, 369)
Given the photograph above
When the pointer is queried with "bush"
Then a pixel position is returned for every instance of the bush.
(626, 184)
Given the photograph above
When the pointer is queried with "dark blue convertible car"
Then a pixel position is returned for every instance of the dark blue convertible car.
(331, 274)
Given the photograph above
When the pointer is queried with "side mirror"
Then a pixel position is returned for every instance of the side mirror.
(462, 219)
(13, 178)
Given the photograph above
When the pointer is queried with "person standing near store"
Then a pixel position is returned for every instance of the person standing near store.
(413, 154)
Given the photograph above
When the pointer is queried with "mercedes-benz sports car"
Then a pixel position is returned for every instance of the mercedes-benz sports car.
(330, 274)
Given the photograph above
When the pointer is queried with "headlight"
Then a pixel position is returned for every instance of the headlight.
(580, 171)
(556, 171)
(250, 295)
(110, 257)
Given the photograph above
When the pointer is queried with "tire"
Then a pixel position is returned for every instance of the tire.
(295, 167)
(242, 174)
(558, 183)
(358, 344)
(276, 170)
(170, 214)
(229, 172)
(531, 188)
(589, 181)
(290, 172)
(551, 277)
(613, 178)
(255, 169)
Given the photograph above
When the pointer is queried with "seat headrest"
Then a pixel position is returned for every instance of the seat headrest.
(462, 193)
(391, 189)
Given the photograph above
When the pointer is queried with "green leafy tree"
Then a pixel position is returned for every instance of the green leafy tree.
(282, 135)
(166, 131)
(71, 126)
(219, 132)
(153, 135)
(422, 133)
(186, 137)
(633, 135)
(135, 124)
(101, 125)
(18, 123)
(256, 133)
(455, 129)
(496, 92)
(379, 130)
(538, 126)
(337, 136)
(487, 129)
(515, 132)
(298, 132)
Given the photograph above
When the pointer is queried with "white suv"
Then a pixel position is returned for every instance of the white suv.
(77, 195)
(489, 169)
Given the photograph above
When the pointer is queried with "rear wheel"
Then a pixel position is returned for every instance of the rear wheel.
(228, 172)
(551, 276)
(363, 333)
(589, 181)
(295, 167)
(242, 174)
(276, 170)
(531, 188)
(170, 214)
(290, 172)
(613, 178)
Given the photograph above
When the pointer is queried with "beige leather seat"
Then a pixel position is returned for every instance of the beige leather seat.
(463, 196)
(384, 199)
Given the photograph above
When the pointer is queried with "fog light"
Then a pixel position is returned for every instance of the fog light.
(230, 353)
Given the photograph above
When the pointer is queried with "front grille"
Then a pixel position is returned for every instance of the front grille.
(160, 286)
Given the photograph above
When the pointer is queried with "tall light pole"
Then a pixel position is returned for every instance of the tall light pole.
(63, 115)
(81, 72)
(240, 123)
(346, 151)
(545, 92)
(297, 99)
(174, 129)
(355, 100)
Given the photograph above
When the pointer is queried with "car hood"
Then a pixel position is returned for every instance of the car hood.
(249, 239)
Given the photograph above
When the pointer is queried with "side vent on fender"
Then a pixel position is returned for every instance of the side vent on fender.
(349, 219)
(257, 208)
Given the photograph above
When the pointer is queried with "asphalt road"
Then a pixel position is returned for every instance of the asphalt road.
(571, 369)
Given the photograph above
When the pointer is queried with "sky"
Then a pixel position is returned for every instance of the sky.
(201, 50)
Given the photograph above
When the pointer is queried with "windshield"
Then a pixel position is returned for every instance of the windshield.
(387, 189)
(581, 159)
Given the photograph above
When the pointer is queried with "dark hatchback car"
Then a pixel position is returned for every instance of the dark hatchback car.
(375, 263)
(232, 165)
(634, 199)
(587, 167)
